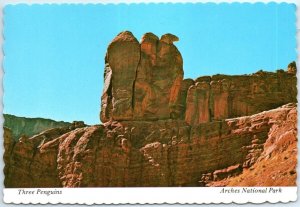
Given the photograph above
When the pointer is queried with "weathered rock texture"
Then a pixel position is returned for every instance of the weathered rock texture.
(145, 82)
(142, 80)
(27, 164)
(152, 153)
(161, 130)
(221, 96)
(8, 143)
(29, 126)
(277, 164)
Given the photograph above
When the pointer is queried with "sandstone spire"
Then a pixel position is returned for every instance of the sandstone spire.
(142, 80)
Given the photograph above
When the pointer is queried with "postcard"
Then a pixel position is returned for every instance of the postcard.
(150, 103)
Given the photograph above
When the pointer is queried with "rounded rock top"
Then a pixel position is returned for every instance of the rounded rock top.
(125, 36)
(149, 36)
(169, 38)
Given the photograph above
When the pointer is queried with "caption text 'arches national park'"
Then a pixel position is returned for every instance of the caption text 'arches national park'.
(159, 129)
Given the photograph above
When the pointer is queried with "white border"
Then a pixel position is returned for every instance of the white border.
(143, 195)
(158, 195)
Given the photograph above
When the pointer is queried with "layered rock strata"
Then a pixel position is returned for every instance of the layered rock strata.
(221, 96)
(276, 165)
(149, 153)
(161, 130)
(144, 81)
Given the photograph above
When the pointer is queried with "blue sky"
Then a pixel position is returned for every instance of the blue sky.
(54, 54)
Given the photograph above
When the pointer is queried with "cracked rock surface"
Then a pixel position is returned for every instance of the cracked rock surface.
(159, 129)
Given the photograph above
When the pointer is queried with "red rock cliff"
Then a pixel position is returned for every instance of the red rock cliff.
(161, 130)
(145, 82)
(221, 96)
(142, 80)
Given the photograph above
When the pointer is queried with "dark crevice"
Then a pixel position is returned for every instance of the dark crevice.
(196, 117)
(35, 152)
(210, 110)
(108, 109)
(97, 150)
(133, 84)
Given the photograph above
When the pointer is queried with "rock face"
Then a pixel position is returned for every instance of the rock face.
(9, 143)
(29, 164)
(29, 126)
(276, 165)
(152, 153)
(221, 96)
(161, 130)
(123, 55)
(142, 80)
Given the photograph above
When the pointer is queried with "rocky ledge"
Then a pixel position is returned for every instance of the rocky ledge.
(22, 126)
(162, 130)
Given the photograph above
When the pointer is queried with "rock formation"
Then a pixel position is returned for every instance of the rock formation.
(21, 126)
(292, 68)
(276, 165)
(152, 153)
(142, 81)
(8, 143)
(152, 88)
(161, 130)
(221, 96)
(27, 164)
